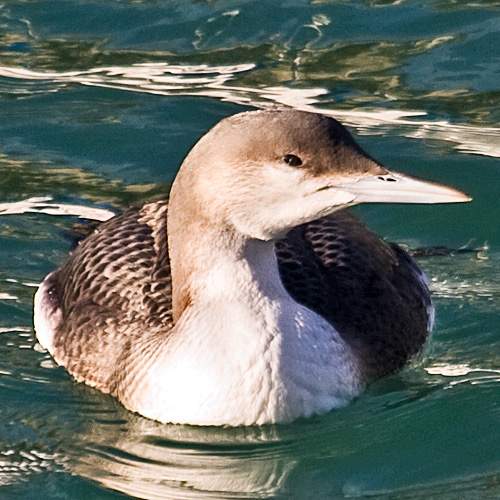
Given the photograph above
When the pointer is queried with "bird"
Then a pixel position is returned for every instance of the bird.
(249, 295)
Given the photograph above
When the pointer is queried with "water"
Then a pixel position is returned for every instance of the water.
(100, 102)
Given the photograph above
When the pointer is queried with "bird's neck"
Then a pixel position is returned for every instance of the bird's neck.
(211, 263)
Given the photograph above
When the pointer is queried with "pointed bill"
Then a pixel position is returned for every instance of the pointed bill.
(393, 187)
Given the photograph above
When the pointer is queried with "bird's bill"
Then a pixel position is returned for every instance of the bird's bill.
(393, 187)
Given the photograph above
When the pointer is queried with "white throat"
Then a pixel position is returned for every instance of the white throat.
(247, 275)
(245, 352)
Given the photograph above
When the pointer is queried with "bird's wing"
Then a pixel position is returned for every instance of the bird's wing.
(371, 291)
(114, 288)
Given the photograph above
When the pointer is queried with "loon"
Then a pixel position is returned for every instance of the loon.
(249, 296)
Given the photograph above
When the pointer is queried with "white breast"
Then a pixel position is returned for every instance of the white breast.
(253, 362)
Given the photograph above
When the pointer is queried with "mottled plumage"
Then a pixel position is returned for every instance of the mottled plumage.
(371, 291)
(116, 288)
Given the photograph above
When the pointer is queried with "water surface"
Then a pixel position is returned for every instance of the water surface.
(100, 101)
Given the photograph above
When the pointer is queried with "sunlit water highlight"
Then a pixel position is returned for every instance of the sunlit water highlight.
(214, 81)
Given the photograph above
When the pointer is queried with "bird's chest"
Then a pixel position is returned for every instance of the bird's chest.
(241, 365)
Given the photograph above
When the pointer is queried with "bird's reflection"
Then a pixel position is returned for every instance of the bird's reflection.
(153, 461)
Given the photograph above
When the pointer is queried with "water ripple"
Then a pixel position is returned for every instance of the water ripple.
(214, 81)
(42, 205)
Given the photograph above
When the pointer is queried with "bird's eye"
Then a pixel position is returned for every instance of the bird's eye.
(292, 160)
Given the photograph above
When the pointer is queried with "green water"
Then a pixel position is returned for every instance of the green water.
(99, 102)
